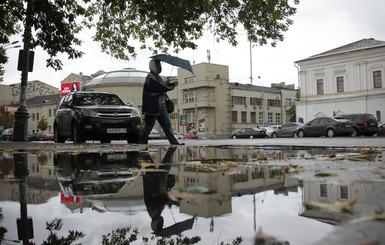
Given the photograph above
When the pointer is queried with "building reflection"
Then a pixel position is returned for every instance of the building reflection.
(114, 181)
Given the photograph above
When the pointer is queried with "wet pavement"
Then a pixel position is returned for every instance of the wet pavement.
(312, 191)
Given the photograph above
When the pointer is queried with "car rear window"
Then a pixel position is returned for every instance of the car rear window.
(369, 117)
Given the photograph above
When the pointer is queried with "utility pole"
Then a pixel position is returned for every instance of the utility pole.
(21, 115)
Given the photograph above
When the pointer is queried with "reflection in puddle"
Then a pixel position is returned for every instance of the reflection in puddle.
(217, 193)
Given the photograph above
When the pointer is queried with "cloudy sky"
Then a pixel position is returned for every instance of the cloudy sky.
(318, 26)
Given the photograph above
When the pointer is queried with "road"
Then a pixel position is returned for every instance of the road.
(271, 142)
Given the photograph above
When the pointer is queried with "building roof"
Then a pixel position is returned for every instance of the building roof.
(363, 44)
(256, 88)
(250, 87)
(125, 76)
(44, 99)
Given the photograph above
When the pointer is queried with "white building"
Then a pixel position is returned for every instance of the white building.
(347, 79)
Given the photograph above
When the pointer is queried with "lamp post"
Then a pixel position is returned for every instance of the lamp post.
(21, 115)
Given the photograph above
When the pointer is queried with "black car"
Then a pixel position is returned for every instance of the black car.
(325, 126)
(100, 116)
(7, 134)
(250, 133)
(286, 130)
(363, 124)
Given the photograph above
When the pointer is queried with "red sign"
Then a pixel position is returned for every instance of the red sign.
(69, 87)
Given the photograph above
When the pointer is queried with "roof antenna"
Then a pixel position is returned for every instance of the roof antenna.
(208, 55)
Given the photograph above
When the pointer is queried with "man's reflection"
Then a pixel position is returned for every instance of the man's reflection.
(157, 182)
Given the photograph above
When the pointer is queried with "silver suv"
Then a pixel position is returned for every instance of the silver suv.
(100, 116)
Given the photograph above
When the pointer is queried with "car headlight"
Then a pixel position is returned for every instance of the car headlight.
(89, 113)
(135, 112)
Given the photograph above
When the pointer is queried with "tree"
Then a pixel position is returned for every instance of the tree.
(160, 26)
(42, 124)
(178, 24)
(6, 118)
(293, 109)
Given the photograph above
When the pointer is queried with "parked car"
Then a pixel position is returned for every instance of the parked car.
(178, 135)
(89, 115)
(286, 130)
(154, 134)
(325, 126)
(269, 131)
(191, 136)
(30, 136)
(381, 130)
(274, 127)
(7, 134)
(50, 136)
(363, 124)
(250, 133)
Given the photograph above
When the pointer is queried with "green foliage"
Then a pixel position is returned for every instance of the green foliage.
(42, 124)
(126, 236)
(53, 239)
(175, 24)
(293, 109)
(159, 26)
(54, 23)
(6, 118)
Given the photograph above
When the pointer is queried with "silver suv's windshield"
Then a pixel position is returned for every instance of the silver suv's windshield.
(97, 99)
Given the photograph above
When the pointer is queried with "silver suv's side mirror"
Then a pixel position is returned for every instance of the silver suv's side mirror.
(130, 104)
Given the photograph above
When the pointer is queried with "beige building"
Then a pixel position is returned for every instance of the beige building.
(211, 106)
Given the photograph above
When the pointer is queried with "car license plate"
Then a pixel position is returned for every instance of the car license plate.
(372, 124)
(116, 130)
(347, 126)
(117, 156)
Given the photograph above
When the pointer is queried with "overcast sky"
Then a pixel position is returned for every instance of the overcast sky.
(318, 26)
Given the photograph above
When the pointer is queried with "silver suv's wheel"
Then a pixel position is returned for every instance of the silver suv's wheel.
(274, 135)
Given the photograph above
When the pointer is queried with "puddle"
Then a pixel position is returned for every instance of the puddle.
(218, 194)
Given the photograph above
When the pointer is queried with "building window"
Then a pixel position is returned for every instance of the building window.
(33, 116)
(377, 79)
(260, 117)
(378, 116)
(253, 117)
(278, 117)
(340, 84)
(234, 116)
(344, 192)
(243, 117)
(37, 117)
(270, 117)
(190, 97)
(323, 190)
(237, 100)
(274, 103)
(49, 112)
(288, 102)
(320, 86)
(256, 101)
(190, 80)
